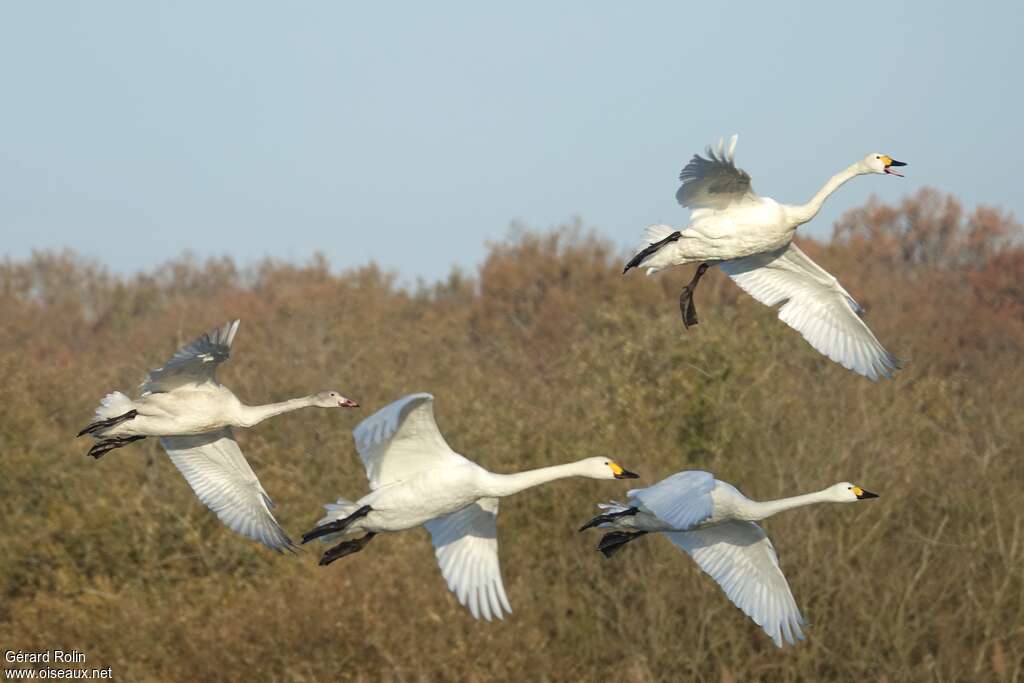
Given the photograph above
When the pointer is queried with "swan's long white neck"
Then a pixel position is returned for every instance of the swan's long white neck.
(754, 510)
(509, 484)
(253, 415)
(802, 213)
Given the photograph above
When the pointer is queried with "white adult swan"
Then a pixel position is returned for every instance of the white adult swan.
(715, 524)
(416, 479)
(192, 413)
(750, 238)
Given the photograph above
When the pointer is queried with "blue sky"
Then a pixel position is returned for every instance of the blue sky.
(410, 134)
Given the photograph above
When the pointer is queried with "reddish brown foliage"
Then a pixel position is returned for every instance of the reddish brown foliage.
(548, 354)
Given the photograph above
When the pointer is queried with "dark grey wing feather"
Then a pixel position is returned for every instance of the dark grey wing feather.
(195, 363)
(714, 182)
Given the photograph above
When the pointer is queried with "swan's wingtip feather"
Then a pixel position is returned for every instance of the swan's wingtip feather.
(232, 331)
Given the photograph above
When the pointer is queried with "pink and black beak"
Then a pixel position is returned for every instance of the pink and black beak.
(348, 403)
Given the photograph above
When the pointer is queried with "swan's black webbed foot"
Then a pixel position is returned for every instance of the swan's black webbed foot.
(608, 517)
(100, 425)
(345, 548)
(106, 445)
(337, 526)
(686, 306)
(613, 541)
(650, 249)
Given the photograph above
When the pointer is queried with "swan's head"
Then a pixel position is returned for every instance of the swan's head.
(333, 399)
(880, 163)
(845, 492)
(604, 468)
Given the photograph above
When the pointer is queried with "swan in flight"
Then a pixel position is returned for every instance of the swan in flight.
(716, 525)
(750, 238)
(416, 479)
(184, 405)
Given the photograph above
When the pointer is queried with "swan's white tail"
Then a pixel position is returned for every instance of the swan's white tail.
(656, 233)
(613, 506)
(608, 509)
(113, 410)
(340, 510)
(654, 258)
(114, 405)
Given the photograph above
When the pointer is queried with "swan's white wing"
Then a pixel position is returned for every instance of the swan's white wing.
(402, 439)
(739, 556)
(715, 182)
(466, 545)
(195, 363)
(682, 500)
(213, 465)
(816, 306)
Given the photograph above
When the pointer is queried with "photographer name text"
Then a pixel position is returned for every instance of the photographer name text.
(45, 657)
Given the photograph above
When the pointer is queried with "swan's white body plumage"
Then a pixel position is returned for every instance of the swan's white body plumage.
(184, 410)
(416, 479)
(717, 526)
(184, 405)
(742, 230)
(750, 237)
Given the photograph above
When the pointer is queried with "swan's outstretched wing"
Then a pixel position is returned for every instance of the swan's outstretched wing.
(195, 363)
(213, 465)
(715, 182)
(816, 306)
(466, 546)
(739, 556)
(682, 500)
(402, 439)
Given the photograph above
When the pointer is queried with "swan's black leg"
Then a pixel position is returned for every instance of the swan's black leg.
(337, 526)
(100, 425)
(106, 445)
(345, 548)
(686, 306)
(613, 541)
(608, 517)
(650, 249)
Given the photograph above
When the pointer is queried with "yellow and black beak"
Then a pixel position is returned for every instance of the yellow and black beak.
(621, 473)
(889, 163)
(862, 494)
